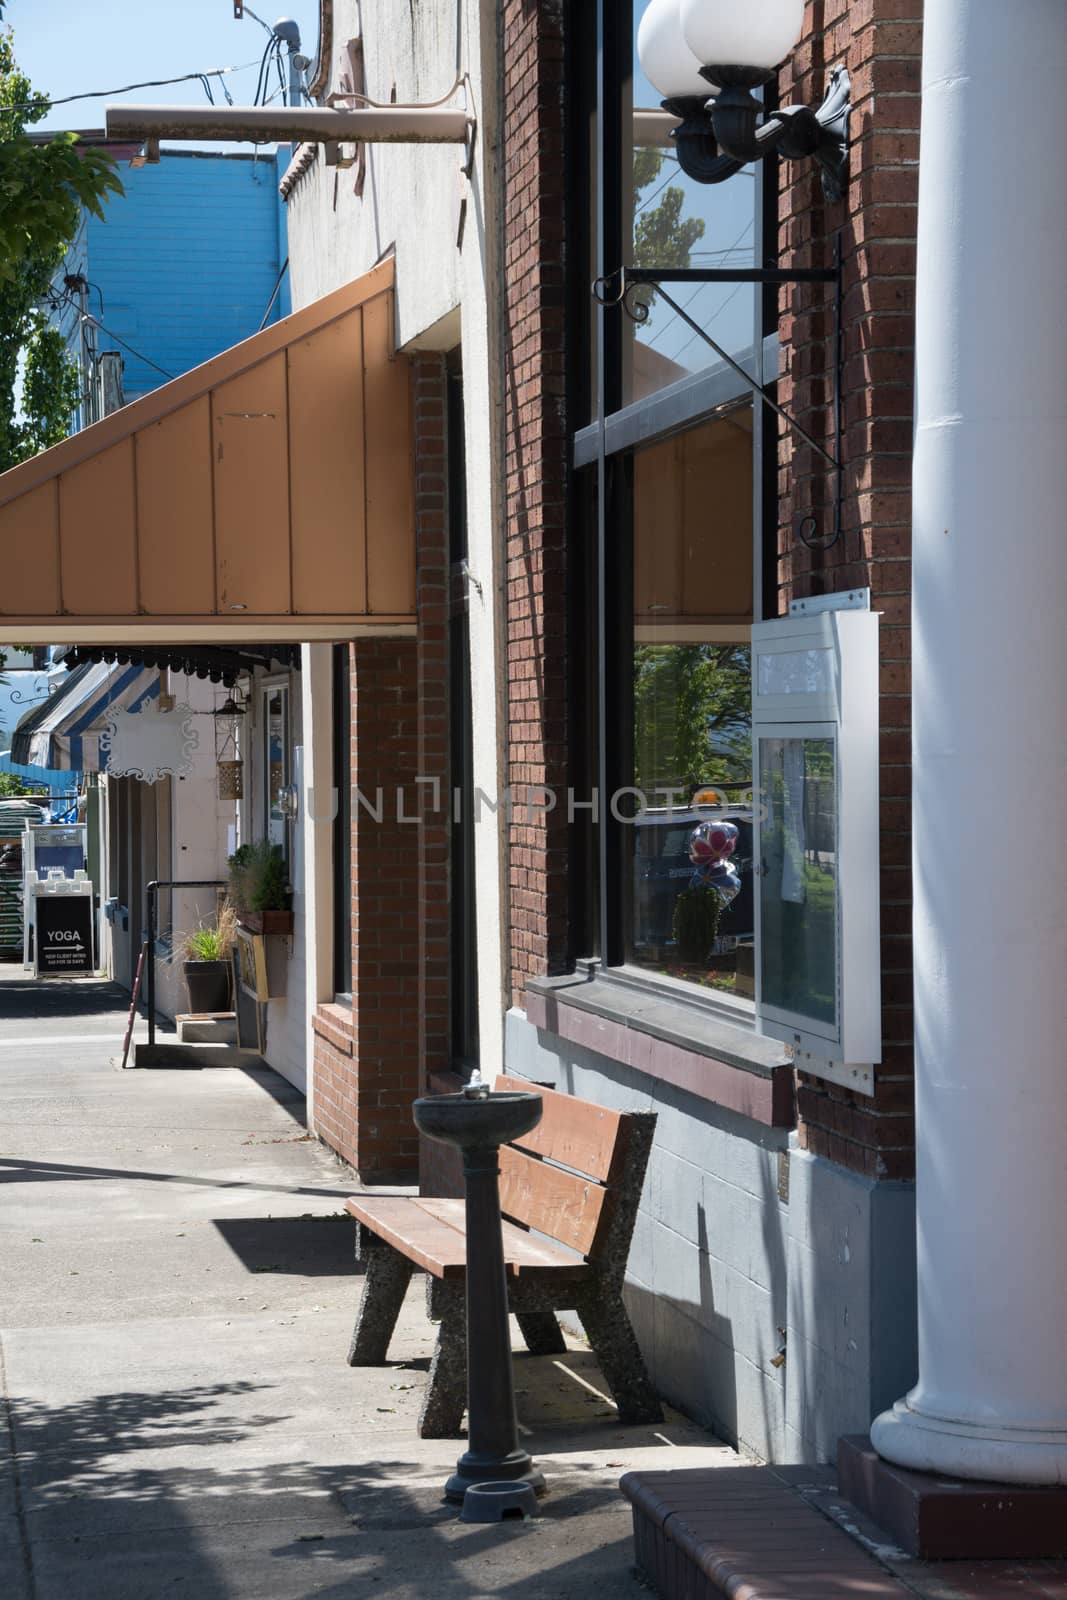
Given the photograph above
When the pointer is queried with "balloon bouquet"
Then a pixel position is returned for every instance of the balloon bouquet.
(711, 844)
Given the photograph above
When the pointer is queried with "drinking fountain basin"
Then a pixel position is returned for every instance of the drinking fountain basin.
(477, 1122)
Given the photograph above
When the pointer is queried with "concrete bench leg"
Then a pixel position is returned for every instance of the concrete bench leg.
(384, 1287)
(446, 1392)
(614, 1343)
(542, 1333)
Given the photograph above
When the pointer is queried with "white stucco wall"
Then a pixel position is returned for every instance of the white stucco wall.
(200, 824)
(410, 207)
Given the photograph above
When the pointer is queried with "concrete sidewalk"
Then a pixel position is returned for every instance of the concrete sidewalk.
(176, 1294)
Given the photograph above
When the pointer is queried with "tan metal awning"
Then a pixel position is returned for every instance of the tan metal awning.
(267, 494)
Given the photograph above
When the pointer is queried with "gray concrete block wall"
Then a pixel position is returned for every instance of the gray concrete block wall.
(720, 1264)
(852, 1304)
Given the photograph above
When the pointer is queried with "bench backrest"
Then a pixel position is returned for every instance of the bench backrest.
(577, 1176)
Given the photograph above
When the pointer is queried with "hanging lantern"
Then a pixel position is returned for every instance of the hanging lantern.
(228, 763)
(231, 780)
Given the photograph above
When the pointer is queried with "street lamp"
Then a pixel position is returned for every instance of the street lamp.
(692, 49)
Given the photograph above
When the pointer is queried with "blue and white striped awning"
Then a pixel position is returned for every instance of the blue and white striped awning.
(65, 732)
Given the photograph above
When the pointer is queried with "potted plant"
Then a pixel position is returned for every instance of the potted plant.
(259, 888)
(206, 962)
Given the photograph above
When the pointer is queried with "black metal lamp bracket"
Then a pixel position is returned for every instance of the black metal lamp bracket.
(716, 137)
(619, 289)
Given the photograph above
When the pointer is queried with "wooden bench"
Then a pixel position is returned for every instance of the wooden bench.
(569, 1192)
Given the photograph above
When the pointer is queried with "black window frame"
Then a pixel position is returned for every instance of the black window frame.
(602, 541)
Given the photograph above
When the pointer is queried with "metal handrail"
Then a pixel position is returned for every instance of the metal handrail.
(153, 906)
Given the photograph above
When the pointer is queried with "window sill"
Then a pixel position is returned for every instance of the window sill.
(670, 1039)
(335, 1024)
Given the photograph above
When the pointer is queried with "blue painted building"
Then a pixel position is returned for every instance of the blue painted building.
(179, 268)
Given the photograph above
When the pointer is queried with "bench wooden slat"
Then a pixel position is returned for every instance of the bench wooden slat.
(431, 1233)
(575, 1133)
(561, 1204)
(432, 1243)
(523, 1254)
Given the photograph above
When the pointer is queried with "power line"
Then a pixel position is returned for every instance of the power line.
(73, 304)
(719, 309)
(43, 102)
(274, 294)
(271, 50)
(141, 357)
(250, 13)
(645, 203)
(729, 250)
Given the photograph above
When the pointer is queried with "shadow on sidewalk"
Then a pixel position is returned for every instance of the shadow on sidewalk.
(24, 998)
(27, 1169)
(308, 1247)
(120, 1488)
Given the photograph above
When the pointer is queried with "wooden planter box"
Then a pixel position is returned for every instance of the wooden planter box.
(266, 921)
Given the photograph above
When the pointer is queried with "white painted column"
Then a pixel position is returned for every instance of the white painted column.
(990, 749)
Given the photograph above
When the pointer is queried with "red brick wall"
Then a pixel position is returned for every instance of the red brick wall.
(535, 467)
(432, 668)
(367, 1062)
(372, 1061)
(880, 43)
(335, 1101)
(438, 1164)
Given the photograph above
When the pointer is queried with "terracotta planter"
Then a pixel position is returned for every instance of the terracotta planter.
(266, 921)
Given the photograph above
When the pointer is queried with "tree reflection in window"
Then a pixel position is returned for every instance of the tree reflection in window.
(692, 715)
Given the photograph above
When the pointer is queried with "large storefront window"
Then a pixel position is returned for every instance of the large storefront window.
(673, 484)
(692, 724)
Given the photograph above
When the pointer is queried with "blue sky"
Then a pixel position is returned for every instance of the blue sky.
(67, 46)
(728, 213)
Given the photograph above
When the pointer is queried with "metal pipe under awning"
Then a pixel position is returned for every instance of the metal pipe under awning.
(653, 129)
(292, 124)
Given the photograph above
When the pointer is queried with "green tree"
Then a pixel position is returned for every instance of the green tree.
(662, 236)
(43, 187)
(11, 786)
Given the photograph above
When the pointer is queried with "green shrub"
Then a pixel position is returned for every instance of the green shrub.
(257, 877)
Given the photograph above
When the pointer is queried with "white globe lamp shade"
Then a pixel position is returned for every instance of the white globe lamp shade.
(666, 60)
(741, 33)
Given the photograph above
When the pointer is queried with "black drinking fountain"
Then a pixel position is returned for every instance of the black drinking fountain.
(500, 1476)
